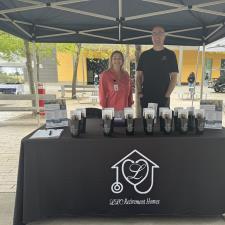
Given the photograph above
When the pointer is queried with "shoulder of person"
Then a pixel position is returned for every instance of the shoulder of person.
(170, 52)
(104, 73)
(126, 73)
(146, 52)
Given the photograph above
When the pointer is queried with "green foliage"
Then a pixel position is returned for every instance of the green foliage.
(105, 50)
(11, 78)
(66, 47)
(45, 50)
(11, 47)
(94, 50)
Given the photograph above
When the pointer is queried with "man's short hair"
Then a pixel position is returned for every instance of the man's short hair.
(160, 26)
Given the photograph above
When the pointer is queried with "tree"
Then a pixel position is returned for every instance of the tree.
(13, 48)
(29, 67)
(43, 51)
(75, 50)
(76, 57)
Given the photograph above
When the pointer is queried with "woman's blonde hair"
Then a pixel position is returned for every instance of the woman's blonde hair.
(110, 61)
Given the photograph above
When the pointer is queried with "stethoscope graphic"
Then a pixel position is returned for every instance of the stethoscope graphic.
(117, 187)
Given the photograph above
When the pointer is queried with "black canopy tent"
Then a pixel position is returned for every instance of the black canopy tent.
(187, 22)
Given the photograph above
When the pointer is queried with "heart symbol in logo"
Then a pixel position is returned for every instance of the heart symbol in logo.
(135, 172)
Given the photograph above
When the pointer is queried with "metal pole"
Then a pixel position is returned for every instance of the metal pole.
(83, 68)
(196, 77)
(196, 70)
(180, 64)
(35, 83)
(203, 70)
(120, 16)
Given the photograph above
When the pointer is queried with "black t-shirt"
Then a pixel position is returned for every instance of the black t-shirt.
(156, 67)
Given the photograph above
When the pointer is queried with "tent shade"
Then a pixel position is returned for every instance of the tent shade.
(187, 22)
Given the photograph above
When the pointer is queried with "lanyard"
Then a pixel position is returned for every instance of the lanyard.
(115, 85)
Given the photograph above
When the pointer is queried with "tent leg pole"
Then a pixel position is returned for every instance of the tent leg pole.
(203, 70)
(180, 64)
(196, 77)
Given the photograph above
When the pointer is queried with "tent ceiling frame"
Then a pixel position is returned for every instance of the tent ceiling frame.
(18, 26)
(85, 32)
(38, 5)
(22, 9)
(16, 21)
(98, 36)
(75, 33)
(99, 16)
(215, 31)
(71, 32)
(171, 35)
(120, 17)
(58, 5)
(164, 3)
(215, 13)
(168, 11)
(174, 31)
(53, 28)
(137, 29)
(100, 29)
(179, 5)
(210, 3)
(66, 2)
(29, 2)
(138, 37)
(55, 35)
(184, 30)
(178, 8)
(183, 37)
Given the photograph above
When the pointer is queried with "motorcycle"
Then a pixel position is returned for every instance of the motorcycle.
(219, 87)
(220, 84)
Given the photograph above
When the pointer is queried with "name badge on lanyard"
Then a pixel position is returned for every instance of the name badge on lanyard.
(116, 87)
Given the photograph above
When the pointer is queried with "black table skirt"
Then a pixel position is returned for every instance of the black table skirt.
(74, 176)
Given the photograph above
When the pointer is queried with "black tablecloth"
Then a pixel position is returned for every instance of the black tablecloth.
(185, 174)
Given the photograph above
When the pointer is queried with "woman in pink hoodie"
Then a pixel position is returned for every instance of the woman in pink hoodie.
(115, 88)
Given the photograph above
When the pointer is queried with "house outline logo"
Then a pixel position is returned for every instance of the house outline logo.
(117, 187)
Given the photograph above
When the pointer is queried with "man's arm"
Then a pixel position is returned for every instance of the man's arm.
(172, 84)
(139, 81)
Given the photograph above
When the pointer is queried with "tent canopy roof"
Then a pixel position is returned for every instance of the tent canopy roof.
(187, 22)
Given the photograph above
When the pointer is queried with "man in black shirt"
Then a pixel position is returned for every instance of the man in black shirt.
(156, 72)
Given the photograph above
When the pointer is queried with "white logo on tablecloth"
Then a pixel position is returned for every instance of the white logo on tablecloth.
(135, 168)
